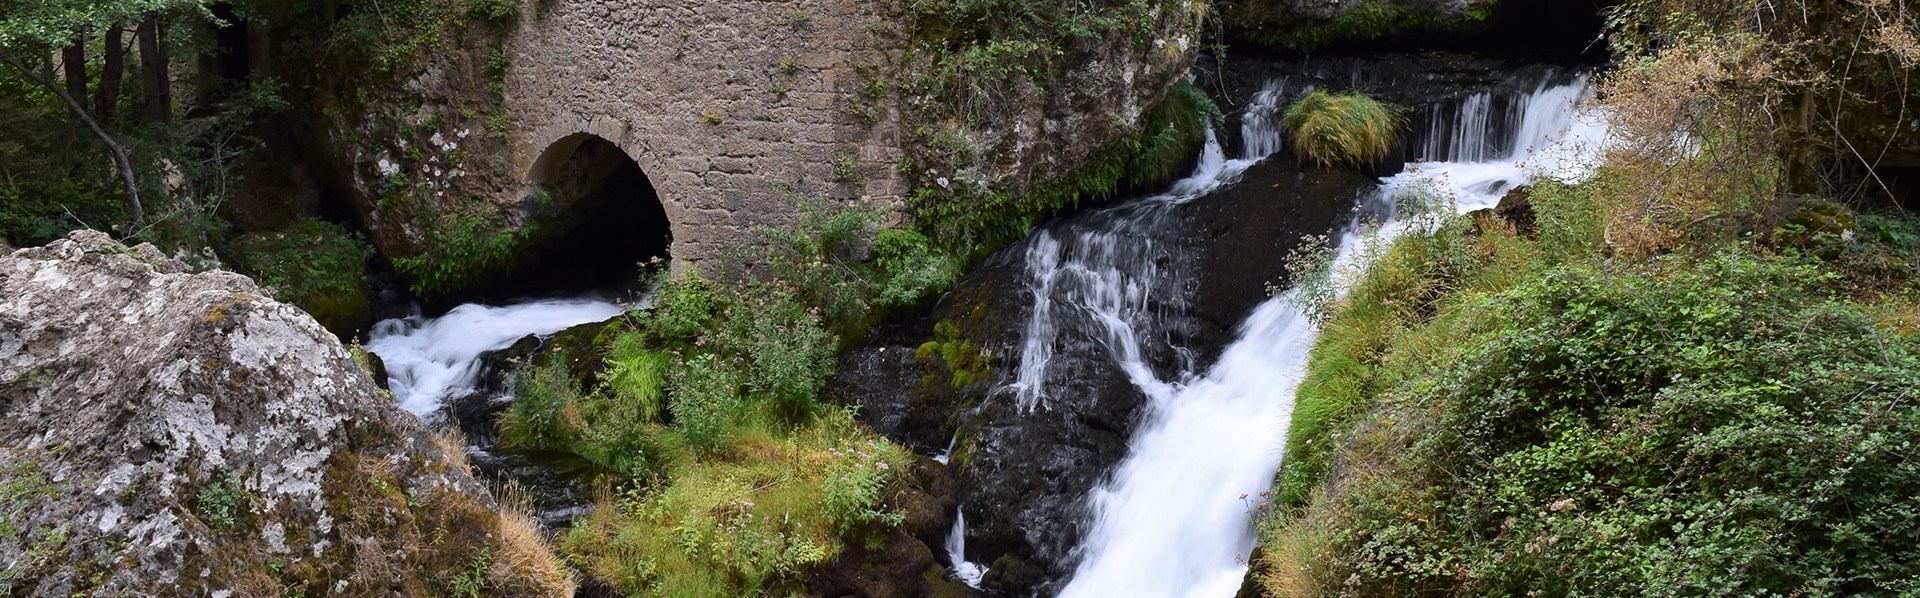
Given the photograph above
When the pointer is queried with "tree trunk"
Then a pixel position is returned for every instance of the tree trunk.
(73, 61)
(156, 92)
(46, 69)
(120, 160)
(107, 97)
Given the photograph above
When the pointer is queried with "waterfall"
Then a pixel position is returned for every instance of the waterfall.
(432, 360)
(967, 572)
(1175, 519)
(1111, 273)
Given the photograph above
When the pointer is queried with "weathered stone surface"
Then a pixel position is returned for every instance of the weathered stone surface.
(179, 434)
(731, 109)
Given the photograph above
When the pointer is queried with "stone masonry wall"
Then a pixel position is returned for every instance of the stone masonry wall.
(691, 90)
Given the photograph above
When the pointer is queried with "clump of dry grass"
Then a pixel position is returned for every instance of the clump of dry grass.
(1341, 129)
(453, 443)
(522, 557)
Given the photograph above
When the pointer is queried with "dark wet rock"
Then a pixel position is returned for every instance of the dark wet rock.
(1516, 207)
(1249, 228)
(900, 561)
(558, 484)
(1011, 574)
(183, 434)
(1024, 474)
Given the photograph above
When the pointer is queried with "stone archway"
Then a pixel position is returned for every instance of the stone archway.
(597, 212)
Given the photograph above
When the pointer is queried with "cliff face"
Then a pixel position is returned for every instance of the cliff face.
(171, 433)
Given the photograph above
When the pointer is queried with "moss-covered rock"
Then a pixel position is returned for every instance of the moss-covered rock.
(170, 433)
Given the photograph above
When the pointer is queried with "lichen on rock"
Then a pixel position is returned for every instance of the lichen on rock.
(173, 433)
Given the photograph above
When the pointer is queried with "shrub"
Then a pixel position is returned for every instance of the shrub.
(544, 414)
(750, 520)
(820, 258)
(317, 265)
(1341, 129)
(459, 249)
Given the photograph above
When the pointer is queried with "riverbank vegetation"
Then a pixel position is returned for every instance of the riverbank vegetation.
(724, 472)
(1690, 374)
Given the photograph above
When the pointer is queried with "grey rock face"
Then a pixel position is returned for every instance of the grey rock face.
(172, 433)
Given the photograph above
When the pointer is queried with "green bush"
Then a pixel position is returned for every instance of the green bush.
(317, 265)
(544, 415)
(459, 249)
(819, 257)
(1487, 414)
(753, 519)
(1341, 129)
(1720, 428)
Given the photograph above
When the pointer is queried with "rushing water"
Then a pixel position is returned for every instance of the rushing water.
(430, 361)
(1175, 518)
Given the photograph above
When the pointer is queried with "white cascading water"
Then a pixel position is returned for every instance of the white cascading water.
(432, 360)
(1111, 273)
(1176, 518)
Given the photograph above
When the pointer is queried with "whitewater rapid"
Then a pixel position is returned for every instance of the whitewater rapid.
(1176, 518)
(430, 361)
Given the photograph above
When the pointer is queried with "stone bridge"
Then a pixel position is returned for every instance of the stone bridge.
(732, 109)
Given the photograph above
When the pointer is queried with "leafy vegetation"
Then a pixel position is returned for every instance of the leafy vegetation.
(726, 476)
(460, 249)
(1691, 379)
(1275, 23)
(221, 501)
(317, 265)
(841, 261)
(1341, 129)
(752, 519)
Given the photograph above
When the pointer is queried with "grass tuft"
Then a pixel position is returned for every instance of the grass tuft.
(1341, 129)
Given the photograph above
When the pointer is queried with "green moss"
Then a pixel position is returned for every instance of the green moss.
(965, 362)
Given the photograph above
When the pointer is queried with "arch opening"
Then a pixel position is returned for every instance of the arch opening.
(596, 220)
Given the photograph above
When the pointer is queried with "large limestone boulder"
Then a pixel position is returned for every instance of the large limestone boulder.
(179, 434)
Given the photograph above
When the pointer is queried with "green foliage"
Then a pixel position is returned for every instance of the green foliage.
(315, 264)
(1719, 427)
(1172, 135)
(753, 519)
(636, 375)
(221, 501)
(1273, 22)
(820, 257)
(966, 363)
(459, 249)
(24, 485)
(491, 10)
(53, 174)
(471, 582)
(1341, 129)
(543, 415)
(857, 477)
(30, 26)
(1491, 414)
